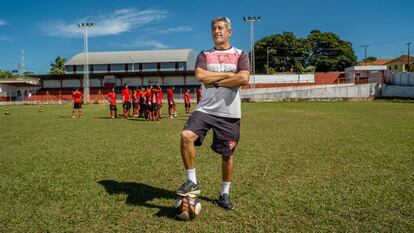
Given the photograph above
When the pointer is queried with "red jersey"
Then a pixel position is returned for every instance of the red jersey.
(187, 97)
(135, 96)
(147, 95)
(126, 95)
(155, 97)
(77, 96)
(112, 98)
(161, 95)
(170, 95)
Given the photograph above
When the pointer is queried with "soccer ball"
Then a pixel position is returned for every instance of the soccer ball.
(188, 207)
(175, 114)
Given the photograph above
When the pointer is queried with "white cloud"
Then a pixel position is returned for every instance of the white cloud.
(5, 38)
(176, 29)
(117, 22)
(2, 22)
(153, 44)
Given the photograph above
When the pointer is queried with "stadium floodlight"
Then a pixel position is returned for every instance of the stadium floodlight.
(252, 20)
(85, 27)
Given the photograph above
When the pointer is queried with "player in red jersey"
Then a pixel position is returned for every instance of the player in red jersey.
(161, 96)
(141, 101)
(126, 100)
(155, 99)
(187, 101)
(198, 94)
(135, 102)
(171, 102)
(111, 96)
(148, 103)
(77, 102)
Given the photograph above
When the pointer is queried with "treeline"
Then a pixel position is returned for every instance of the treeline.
(319, 51)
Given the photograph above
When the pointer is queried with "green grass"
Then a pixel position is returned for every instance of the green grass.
(300, 167)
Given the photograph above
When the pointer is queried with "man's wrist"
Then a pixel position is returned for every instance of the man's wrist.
(216, 84)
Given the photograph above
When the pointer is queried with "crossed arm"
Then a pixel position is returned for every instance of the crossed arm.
(223, 79)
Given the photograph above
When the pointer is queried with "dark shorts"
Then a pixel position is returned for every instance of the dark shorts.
(155, 107)
(77, 106)
(171, 103)
(127, 105)
(149, 107)
(135, 104)
(188, 105)
(226, 131)
(112, 108)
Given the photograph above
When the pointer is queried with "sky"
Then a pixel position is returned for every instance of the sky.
(45, 29)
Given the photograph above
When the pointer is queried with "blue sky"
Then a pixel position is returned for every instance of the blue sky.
(45, 29)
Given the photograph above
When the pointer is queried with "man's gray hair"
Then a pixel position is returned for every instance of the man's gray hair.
(224, 19)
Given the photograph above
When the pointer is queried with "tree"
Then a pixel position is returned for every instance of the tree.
(59, 66)
(319, 51)
(284, 52)
(369, 59)
(329, 52)
(6, 74)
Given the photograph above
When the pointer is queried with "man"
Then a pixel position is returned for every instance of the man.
(141, 102)
(221, 70)
(135, 102)
(148, 103)
(161, 96)
(155, 100)
(187, 101)
(198, 94)
(77, 102)
(171, 102)
(111, 96)
(126, 100)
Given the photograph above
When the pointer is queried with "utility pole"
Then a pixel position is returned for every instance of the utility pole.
(365, 47)
(408, 45)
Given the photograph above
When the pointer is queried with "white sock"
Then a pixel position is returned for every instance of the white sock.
(225, 187)
(191, 175)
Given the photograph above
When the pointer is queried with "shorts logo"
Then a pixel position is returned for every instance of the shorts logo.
(232, 144)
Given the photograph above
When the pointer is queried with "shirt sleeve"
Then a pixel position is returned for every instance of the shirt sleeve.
(244, 63)
(201, 61)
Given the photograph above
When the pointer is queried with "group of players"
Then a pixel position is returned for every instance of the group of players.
(146, 102)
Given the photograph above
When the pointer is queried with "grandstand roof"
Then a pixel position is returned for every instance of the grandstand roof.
(146, 56)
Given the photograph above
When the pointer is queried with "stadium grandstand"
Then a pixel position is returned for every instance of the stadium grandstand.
(116, 68)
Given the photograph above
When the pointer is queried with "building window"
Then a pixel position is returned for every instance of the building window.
(396, 67)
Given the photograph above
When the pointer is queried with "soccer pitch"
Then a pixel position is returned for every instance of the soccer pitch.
(299, 167)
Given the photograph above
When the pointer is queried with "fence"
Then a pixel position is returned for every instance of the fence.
(321, 92)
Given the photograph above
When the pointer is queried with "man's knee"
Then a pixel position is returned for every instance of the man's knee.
(188, 136)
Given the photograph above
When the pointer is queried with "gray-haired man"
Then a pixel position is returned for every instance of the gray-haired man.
(221, 70)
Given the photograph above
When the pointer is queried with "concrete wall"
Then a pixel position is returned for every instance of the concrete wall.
(402, 79)
(398, 91)
(336, 91)
(284, 78)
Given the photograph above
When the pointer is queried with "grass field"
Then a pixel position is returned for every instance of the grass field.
(300, 167)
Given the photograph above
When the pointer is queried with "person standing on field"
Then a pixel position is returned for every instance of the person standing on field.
(222, 70)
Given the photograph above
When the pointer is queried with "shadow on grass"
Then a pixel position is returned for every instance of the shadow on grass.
(140, 194)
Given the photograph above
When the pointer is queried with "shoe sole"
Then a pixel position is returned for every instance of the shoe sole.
(194, 193)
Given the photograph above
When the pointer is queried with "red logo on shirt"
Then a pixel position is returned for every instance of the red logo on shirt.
(223, 58)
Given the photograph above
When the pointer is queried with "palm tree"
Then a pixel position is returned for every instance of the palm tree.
(59, 66)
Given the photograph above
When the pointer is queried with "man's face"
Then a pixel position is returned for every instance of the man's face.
(220, 33)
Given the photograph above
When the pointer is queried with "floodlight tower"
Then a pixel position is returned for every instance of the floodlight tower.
(252, 20)
(85, 27)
